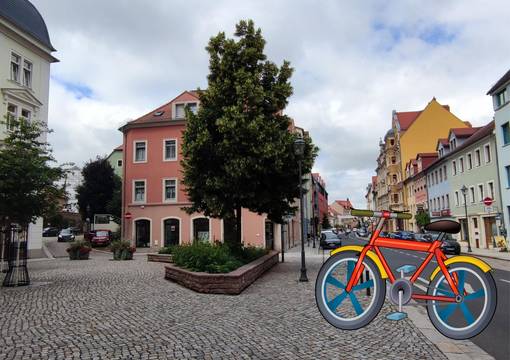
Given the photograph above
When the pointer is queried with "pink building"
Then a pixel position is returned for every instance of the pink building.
(153, 194)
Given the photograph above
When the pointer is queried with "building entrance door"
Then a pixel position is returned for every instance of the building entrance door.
(143, 233)
(490, 227)
(171, 232)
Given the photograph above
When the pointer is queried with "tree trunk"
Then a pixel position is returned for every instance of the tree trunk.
(238, 226)
(229, 230)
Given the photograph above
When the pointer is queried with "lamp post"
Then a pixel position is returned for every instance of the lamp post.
(88, 218)
(464, 190)
(299, 150)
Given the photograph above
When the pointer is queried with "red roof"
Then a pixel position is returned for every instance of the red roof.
(444, 142)
(464, 132)
(345, 203)
(164, 112)
(406, 118)
(424, 155)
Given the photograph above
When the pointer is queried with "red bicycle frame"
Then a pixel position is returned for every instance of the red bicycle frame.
(433, 249)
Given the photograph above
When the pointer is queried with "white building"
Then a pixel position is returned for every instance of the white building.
(25, 58)
(500, 93)
(69, 183)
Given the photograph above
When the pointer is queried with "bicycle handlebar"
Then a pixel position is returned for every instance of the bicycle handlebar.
(381, 214)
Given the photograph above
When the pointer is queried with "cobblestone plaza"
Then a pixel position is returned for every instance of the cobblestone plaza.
(104, 309)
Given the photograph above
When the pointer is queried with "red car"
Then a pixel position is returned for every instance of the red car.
(100, 237)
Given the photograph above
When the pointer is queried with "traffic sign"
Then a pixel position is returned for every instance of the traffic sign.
(128, 215)
(488, 201)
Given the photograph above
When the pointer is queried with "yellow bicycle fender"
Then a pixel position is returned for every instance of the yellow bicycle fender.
(482, 265)
(373, 256)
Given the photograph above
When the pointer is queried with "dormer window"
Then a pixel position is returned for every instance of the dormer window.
(180, 112)
(159, 113)
(453, 143)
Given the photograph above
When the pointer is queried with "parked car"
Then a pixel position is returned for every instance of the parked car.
(450, 246)
(330, 240)
(362, 232)
(50, 231)
(384, 234)
(65, 235)
(101, 237)
(75, 230)
(423, 237)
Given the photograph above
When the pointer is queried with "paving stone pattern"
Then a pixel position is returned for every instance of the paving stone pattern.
(104, 309)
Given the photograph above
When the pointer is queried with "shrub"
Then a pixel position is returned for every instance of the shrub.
(79, 245)
(122, 245)
(167, 249)
(216, 258)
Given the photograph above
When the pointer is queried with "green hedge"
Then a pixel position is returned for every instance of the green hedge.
(216, 258)
(167, 249)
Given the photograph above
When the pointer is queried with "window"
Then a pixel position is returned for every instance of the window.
(394, 179)
(139, 191)
(395, 198)
(472, 194)
(447, 201)
(392, 142)
(477, 157)
(475, 223)
(15, 65)
(507, 176)
(435, 176)
(201, 229)
(444, 171)
(490, 186)
(119, 163)
(487, 153)
(440, 174)
(500, 98)
(393, 160)
(170, 149)
(457, 203)
(169, 189)
(469, 162)
(442, 202)
(179, 111)
(461, 165)
(505, 129)
(454, 168)
(12, 114)
(193, 107)
(435, 204)
(27, 73)
(140, 151)
(480, 192)
(25, 114)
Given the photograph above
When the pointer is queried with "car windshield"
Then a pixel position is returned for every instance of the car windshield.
(65, 232)
(329, 235)
(102, 233)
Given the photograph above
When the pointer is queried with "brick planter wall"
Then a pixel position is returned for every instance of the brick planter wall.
(232, 283)
(166, 258)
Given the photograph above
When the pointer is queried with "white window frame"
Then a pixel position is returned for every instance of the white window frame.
(472, 194)
(144, 191)
(490, 193)
(478, 161)
(176, 149)
(481, 194)
(185, 103)
(461, 165)
(469, 161)
(134, 151)
(488, 145)
(445, 177)
(457, 202)
(163, 181)
(119, 163)
(454, 167)
(20, 66)
(31, 70)
(29, 117)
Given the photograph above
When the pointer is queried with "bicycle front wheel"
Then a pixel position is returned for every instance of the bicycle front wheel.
(469, 317)
(349, 310)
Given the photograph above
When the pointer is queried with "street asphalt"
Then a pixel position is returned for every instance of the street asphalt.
(495, 338)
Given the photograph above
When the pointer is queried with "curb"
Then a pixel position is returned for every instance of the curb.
(484, 256)
(452, 349)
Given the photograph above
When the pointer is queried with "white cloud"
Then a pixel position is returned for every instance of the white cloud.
(354, 63)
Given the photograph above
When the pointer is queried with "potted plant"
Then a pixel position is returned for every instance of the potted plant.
(122, 250)
(79, 250)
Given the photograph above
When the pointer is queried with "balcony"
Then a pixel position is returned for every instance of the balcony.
(393, 168)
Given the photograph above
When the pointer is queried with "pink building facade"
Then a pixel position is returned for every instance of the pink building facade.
(153, 194)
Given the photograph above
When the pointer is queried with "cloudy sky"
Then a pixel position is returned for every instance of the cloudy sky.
(354, 61)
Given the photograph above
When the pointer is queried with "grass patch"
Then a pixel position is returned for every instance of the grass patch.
(217, 258)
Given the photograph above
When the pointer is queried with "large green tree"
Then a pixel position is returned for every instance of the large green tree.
(97, 189)
(238, 149)
(27, 178)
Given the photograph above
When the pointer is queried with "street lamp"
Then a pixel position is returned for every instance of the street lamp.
(88, 218)
(299, 150)
(464, 190)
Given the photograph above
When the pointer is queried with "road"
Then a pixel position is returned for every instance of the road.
(495, 338)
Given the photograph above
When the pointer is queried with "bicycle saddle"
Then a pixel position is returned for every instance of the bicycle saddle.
(445, 226)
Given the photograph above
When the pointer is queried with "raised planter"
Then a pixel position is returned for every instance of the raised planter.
(165, 258)
(232, 283)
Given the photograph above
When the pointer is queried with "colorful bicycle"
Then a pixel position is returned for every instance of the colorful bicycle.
(350, 289)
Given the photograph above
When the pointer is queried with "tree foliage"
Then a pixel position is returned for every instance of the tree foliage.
(27, 179)
(325, 222)
(98, 187)
(238, 150)
(422, 218)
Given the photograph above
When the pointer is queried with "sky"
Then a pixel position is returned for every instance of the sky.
(354, 63)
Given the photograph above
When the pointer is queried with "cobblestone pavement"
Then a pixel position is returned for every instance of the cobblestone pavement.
(101, 309)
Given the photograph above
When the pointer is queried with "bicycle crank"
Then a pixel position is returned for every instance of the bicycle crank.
(401, 286)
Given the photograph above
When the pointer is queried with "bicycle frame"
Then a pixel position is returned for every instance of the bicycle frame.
(433, 249)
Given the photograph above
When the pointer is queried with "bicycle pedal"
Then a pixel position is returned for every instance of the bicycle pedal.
(406, 269)
(396, 316)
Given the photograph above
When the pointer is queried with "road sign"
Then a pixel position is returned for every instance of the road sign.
(488, 201)
(488, 209)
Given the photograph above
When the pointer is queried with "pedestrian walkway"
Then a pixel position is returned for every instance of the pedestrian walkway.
(490, 253)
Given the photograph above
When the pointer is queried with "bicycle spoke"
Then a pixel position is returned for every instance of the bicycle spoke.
(364, 285)
(331, 280)
(467, 314)
(443, 290)
(460, 285)
(447, 311)
(475, 295)
(355, 303)
(333, 304)
(350, 269)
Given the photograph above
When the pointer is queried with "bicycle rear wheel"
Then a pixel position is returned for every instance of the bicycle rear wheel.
(473, 313)
(353, 310)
